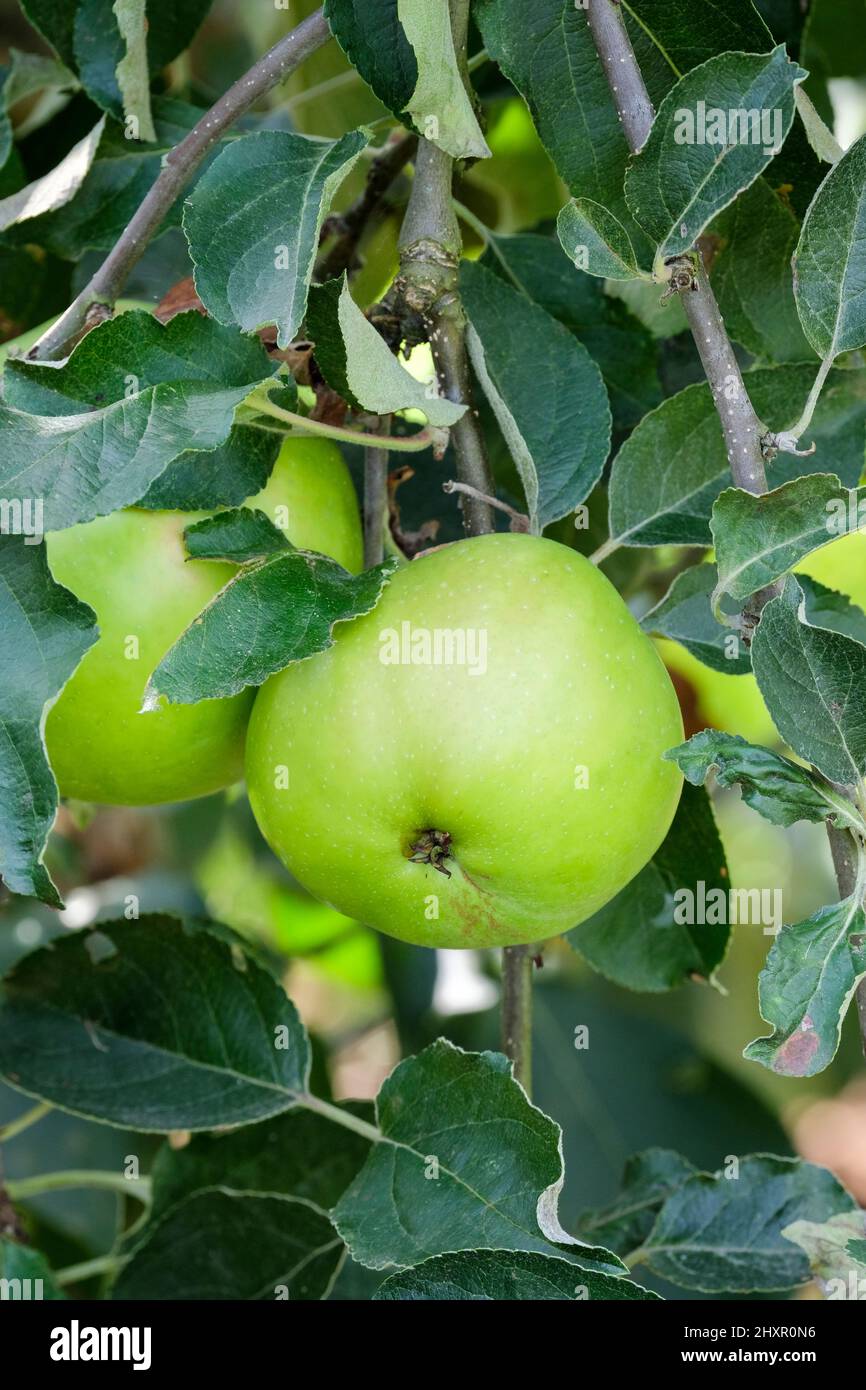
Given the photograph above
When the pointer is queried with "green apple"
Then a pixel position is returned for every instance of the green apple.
(734, 703)
(477, 762)
(131, 567)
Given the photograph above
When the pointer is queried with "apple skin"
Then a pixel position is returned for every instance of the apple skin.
(131, 567)
(379, 754)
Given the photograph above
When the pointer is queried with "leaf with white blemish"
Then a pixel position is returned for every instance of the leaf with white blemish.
(809, 980)
(835, 1249)
(722, 1233)
(466, 1162)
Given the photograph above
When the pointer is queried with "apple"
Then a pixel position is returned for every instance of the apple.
(131, 567)
(734, 703)
(478, 761)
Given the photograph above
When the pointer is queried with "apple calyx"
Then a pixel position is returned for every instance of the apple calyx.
(432, 847)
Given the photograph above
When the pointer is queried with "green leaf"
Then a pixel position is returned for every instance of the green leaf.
(691, 31)
(404, 50)
(830, 261)
(54, 189)
(689, 170)
(643, 938)
(27, 74)
(759, 538)
(439, 106)
(325, 332)
(827, 608)
(781, 791)
(133, 75)
(85, 35)
(92, 435)
(224, 477)
(648, 1180)
(831, 1248)
(685, 615)
(545, 390)
(25, 1273)
(254, 266)
(671, 504)
(723, 1234)
(282, 606)
(497, 1276)
(357, 362)
(231, 1245)
(157, 1024)
(751, 274)
(375, 42)
(300, 1155)
(596, 241)
(622, 347)
(547, 51)
(834, 38)
(465, 1163)
(44, 633)
(814, 684)
(809, 980)
(120, 176)
(238, 536)
(55, 21)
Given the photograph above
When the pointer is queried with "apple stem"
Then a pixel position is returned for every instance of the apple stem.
(376, 497)
(517, 1011)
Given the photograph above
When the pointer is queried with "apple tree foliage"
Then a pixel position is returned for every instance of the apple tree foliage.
(448, 1186)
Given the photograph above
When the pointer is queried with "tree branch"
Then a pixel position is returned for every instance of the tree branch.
(623, 74)
(740, 425)
(428, 284)
(516, 1024)
(96, 300)
(375, 498)
(350, 226)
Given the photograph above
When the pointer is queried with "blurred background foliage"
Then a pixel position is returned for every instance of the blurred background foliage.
(660, 1070)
